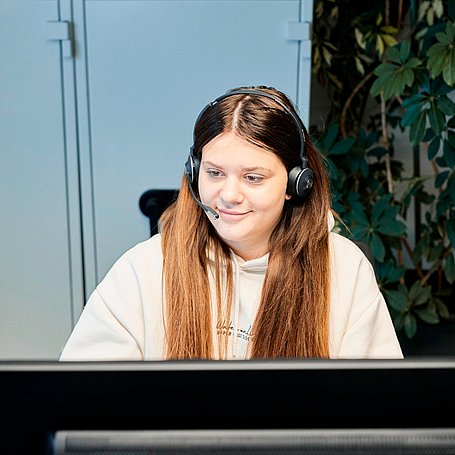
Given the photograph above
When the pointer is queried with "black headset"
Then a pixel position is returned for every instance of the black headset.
(300, 178)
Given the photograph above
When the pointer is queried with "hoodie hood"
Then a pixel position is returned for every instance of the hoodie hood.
(330, 221)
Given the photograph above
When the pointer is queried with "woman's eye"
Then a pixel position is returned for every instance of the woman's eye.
(253, 178)
(213, 173)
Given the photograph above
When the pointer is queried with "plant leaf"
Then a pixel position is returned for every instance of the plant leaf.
(396, 299)
(360, 38)
(450, 229)
(415, 290)
(414, 99)
(417, 130)
(451, 187)
(436, 118)
(446, 105)
(448, 154)
(427, 315)
(429, 135)
(413, 62)
(376, 88)
(438, 8)
(434, 147)
(393, 228)
(441, 56)
(385, 69)
(342, 147)
(398, 320)
(440, 179)
(451, 138)
(411, 115)
(405, 49)
(436, 60)
(379, 207)
(435, 252)
(359, 66)
(407, 78)
(331, 135)
(449, 268)
(380, 45)
(377, 247)
(448, 73)
(410, 325)
(388, 272)
(393, 55)
(389, 29)
(450, 31)
(389, 40)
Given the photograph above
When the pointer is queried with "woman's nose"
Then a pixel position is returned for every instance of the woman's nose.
(231, 191)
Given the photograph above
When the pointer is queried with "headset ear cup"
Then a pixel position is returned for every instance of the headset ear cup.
(300, 182)
(305, 183)
(189, 168)
(196, 166)
(192, 166)
(292, 177)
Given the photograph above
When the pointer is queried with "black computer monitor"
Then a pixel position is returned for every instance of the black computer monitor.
(40, 399)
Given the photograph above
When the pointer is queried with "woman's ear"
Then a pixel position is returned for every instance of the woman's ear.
(287, 197)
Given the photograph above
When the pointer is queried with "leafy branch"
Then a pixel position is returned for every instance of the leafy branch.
(409, 72)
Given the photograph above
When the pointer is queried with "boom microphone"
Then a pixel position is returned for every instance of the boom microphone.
(208, 210)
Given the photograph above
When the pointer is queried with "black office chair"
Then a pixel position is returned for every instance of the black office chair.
(152, 204)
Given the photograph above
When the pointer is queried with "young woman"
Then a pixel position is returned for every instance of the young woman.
(245, 265)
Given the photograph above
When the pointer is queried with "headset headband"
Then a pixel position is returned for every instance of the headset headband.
(300, 126)
(300, 178)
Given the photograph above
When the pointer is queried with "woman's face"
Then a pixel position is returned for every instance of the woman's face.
(246, 185)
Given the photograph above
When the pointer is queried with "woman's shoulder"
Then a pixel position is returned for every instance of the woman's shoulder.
(144, 257)
(144, 249)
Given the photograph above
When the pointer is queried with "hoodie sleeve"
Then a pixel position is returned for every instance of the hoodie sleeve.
(361, 326)
(111, 325)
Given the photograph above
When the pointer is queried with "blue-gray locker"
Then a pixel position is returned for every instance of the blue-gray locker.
(40, 248)
(151, 66)
(97, 103)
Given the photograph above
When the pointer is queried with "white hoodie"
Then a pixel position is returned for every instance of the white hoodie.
(123, 318)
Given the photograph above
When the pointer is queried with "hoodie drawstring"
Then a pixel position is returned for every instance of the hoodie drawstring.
(236, 306)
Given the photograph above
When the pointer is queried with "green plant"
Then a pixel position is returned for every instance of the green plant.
(400, 58)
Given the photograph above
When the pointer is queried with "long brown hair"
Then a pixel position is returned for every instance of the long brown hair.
(293, 314)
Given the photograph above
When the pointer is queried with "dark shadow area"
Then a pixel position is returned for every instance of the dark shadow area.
(435, 340)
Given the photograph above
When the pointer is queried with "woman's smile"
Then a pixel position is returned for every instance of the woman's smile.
(232, 215)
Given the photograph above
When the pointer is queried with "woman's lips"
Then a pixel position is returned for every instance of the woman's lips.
(230, 215)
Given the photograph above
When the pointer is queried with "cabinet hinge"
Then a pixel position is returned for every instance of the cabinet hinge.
(300, 31)
(61, 31)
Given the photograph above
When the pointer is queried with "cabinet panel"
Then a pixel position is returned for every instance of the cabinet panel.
(35, 272)
(151, 66)
(82, 138)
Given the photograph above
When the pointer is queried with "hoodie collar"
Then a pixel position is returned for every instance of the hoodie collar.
(258, 265)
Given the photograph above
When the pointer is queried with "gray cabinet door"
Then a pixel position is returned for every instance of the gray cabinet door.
(150, 67)
(39, 276)
(97, 104)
